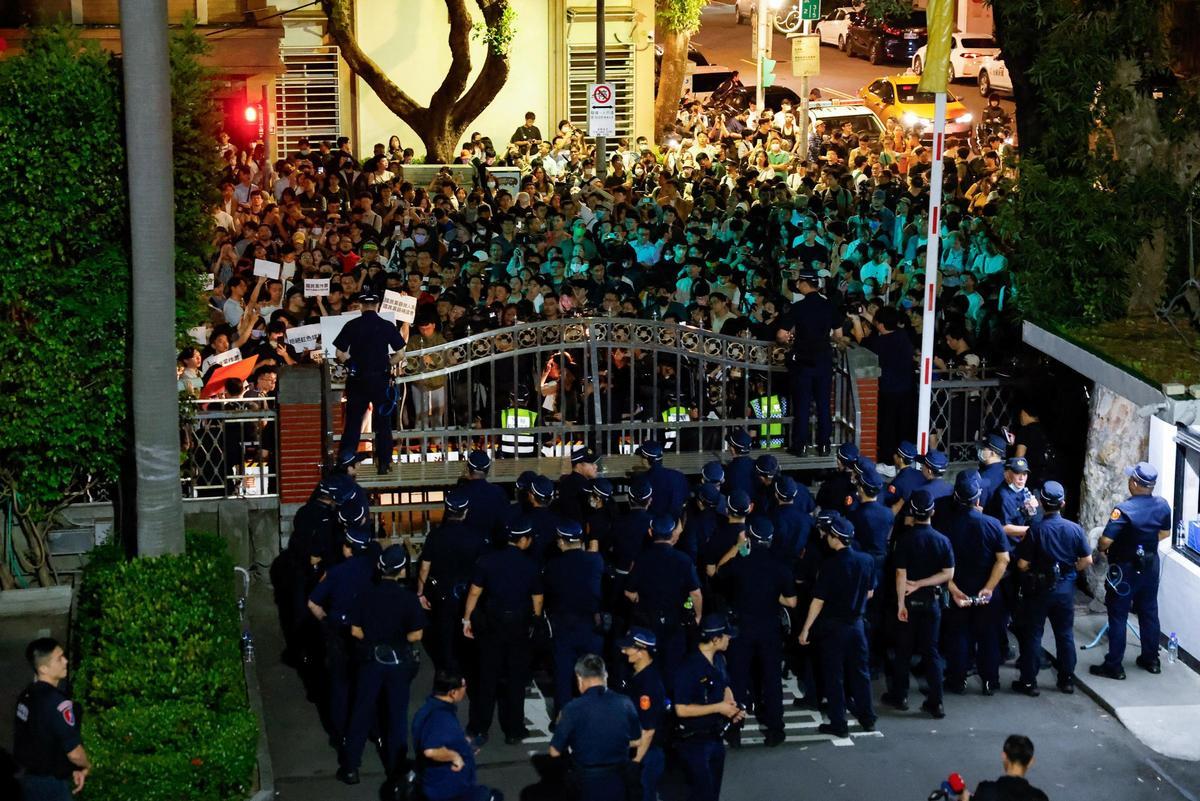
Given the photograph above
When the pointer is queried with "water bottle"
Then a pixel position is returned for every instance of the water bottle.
(1173, 648)
(247, 647)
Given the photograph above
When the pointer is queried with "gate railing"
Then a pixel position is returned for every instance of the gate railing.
(962, 410)
(229, 447)
(607, 383)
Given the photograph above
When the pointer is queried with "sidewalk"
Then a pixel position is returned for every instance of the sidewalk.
(1162, 711)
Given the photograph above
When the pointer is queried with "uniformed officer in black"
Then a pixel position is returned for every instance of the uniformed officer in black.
(671, 490)
(665, 590)
(447, 563)
(1052, 553)
(759, 586)
(573, 488)
(572, 587)
(630, 530)
(924, 564)
(363, 343)
(645, 688)
(766, 470)
(739, 472)
(705, 708)
(504, 598)
(543, 519)
(793, 520)
(837, 492)
(873, 522)
(331, 602)
(599, 516)
(701, 520)
(315, 539)
(908, 475)
(387, 622)
(845, 582)
(46, 736)
(991, 451)
(1130, 540)
(489, 509)
(598, 728)
(974, 620)
(808, 326)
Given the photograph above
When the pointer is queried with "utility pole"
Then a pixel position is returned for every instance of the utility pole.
(601, 142)
(805, 31)
(762, 25)
(147, 70)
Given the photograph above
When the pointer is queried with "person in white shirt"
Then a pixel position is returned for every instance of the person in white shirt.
(782, 116)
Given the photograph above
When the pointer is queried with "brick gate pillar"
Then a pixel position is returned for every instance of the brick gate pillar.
(301, 440)
(864, 370)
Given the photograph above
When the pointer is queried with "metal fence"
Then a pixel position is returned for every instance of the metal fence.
(607, 383)
(963, 409)
(229, 448)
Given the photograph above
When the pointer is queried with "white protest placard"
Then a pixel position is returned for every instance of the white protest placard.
(602, 109)
(331, 326)
(288, 270)
(199, 334)
(404, 307)
(316, 287)
(304, 337)
(210, 282)
(267, 269)
(231, 356)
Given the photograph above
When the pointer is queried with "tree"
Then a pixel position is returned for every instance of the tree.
(453, 106)
(677, 21)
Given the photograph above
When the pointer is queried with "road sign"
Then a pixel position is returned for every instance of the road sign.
(806, 55)
(602, 109)
(810, 10)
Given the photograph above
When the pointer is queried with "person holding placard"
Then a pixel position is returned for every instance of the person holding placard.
(363, 344)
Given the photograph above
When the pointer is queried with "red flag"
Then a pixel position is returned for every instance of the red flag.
(216, 382)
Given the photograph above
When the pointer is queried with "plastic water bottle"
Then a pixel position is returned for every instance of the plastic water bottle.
(1173, 648)
(247, 647)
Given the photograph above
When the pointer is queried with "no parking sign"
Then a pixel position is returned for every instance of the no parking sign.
(602, 109)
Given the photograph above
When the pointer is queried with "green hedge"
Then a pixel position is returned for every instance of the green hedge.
(160, 677)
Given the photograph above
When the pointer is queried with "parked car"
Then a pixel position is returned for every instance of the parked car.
(701, 82)
(837, 112)
(967, 52)
(739, 99)
(993, 76)
(881, 40)
(833, 27)
(898, 97)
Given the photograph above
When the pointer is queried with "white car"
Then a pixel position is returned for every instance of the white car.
(966, 53)
(993, 76)
(833, 26)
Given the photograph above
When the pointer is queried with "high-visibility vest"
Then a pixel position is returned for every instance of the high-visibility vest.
(674, 414)
(769, 407)
(512, 419)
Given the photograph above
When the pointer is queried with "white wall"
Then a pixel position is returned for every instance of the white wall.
(1179, 590)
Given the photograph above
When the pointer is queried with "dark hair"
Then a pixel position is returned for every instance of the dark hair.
(446, 682)
(38, 651)
(1019, 749)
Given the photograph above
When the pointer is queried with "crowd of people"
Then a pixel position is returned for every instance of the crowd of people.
(721, 225)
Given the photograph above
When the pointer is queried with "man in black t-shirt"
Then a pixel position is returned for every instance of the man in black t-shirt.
(1012, 786)
(528, 135)
(46, 741)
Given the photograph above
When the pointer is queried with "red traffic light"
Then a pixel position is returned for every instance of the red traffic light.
(251, 114)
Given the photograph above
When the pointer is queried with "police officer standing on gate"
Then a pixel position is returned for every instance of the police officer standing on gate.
(645, 688)
(363, 343)
(46, 739)
(1052, 553)
(572, 581)
(844, 584)
(1130, 540)
(598, 728)
(387, 621)
(809, 325)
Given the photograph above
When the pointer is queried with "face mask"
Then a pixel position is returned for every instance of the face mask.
(981, 455)
(257, 334)
(420, 239)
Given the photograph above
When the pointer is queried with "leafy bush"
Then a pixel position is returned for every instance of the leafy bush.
(160, 677)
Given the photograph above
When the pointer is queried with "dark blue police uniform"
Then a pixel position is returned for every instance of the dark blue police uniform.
(843, 583)
(1133, 528)
(991, 478)
(922, 553)
(873, 522)
(906, 481)
(451, 551)
(974, 631)
(671, 490)
(739, 475)
(810, 367)
(701, 523)
(598, 727)
(698, 739)
(572, 582)
(436, 726)
(573, 491)
(645, 688)
(367, 339)
(489, 509)
(793, 526)
(838, 493)
(663, 577)
(46, 729)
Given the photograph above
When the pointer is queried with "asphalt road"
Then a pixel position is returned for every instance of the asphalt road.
(723, 42)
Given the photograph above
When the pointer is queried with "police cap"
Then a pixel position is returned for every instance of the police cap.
(393, 559)
(651, 449)
(1053, 494)
(479, 461)
(601, 488)
(995, 442)
(1017, 464)
(570, 530)
(766, 465)
(709, 494)
(519, 527)
(716, 624)
(739, 440)
(525, 480)
(847, 453)
(713, 472)
(359, 536)
(761, 528)
(662, 526)
(640, 490)
(584, 455)
(785, 487)
(739, 503)
(936, 461)
(967, 486)
(368, 296)
(1143, 473)
(639, 638)
(542, 487)
(920, 503)
(457, 501)
(907, 451)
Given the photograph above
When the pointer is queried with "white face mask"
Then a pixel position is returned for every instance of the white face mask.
(420, 239)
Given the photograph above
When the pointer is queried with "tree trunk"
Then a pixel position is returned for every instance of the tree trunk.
(1019, 39)
(441, 139)
(670, 80)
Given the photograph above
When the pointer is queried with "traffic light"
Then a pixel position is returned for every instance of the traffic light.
(768, 72)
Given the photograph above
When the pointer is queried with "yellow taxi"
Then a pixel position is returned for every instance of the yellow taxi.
(897, 96)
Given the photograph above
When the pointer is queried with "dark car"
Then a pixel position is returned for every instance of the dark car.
(892, 39)
(739, 99)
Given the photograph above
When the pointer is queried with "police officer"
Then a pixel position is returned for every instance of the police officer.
(671, 490)
(991, 452)
(739, 472)
(1130, 540)
(759, 584)
(314, 541)
(630, 529)
(572, 583)
(574, 487)
(974, 618)
(924, 564)
(679, 409)
(713, 473)
(645, 688)
(766, 470)
(724, 539)
(768, 406)
(521, 492)
(809, 324)
(488, 508)
(599, 517)
(664, 589)
(46, 738)
(447, 562)
(1052, 553)
(598, 728)
(513, 419)
(387, 621)
(705, 709)
(908, 474)
(844, 585)
(1012, 503)
(792, 518)
(363, 343)
(933, 467)
(513, 586)
(543, 519)
(445, 755)
(331, 602)
(837, 492)
(701, 520)
(872, 522)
